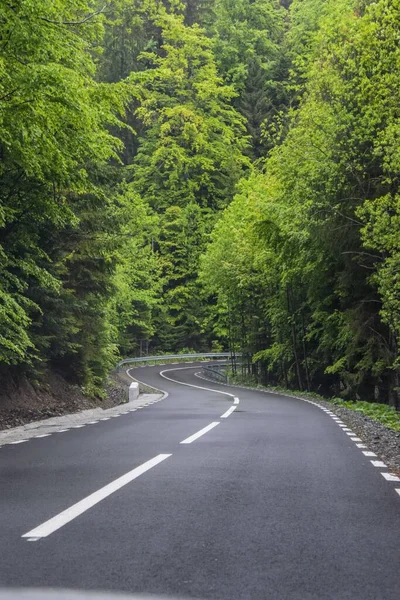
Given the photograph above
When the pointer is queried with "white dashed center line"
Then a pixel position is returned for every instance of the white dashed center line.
(196, 436)
(228, 412)
(77, 509)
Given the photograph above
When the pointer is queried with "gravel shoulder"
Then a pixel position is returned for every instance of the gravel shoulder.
(381, 440)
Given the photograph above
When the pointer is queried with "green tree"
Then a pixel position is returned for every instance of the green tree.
(54, 136)
(189, 160)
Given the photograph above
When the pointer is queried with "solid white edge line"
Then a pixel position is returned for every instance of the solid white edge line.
(18, 442)
(74, 511)
(198, 387)
(195, 436)
(228, 412)
(165, 394)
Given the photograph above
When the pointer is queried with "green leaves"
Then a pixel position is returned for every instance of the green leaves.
(55, 134)
(318, 230)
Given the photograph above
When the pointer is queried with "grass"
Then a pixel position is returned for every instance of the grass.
(387, 415)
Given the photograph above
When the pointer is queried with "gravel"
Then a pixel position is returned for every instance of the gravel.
(381, 440)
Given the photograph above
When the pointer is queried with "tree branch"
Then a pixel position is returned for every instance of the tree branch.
(88, 18)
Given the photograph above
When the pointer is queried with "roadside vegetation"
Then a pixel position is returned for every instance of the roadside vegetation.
(388, 416)
(211, 174)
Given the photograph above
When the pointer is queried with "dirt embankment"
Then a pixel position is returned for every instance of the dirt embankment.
(23, 402)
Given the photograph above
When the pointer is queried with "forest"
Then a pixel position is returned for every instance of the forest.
(202, 175)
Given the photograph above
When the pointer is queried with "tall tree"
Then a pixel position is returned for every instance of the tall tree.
(53, 140)
(190, 156)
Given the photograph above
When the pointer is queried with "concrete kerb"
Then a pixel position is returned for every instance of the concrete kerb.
(55, 424)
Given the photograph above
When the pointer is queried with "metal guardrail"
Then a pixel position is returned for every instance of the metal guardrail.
(216, 373)
(155, 359)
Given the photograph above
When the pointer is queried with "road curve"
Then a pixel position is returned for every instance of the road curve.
(222, 494)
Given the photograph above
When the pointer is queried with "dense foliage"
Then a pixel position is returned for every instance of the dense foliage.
(317, 227)
(202, 173)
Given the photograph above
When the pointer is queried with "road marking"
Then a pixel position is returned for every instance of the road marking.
(163, 392)
(361, 446)
(105, 419)
(19, 441)
(77, 426)
(236, 401)
(368, 453)
(195, 436)
(62, 430)
(91, 422)
(228, 412)
(350, 433)
(390, 477)
(346, 429)
(342, 426)
(198, 387)
(379, 463)
(77, 509)
(398, 491)
(356, 439)
(43, 435)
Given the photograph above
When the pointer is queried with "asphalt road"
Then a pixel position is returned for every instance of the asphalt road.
(274, 501)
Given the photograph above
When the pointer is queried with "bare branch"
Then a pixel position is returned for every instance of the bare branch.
(364, 254)
(85, 20)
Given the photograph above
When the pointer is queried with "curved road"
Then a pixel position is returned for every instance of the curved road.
(268, 497)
